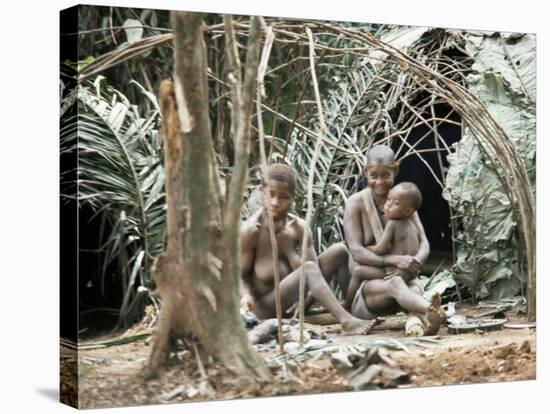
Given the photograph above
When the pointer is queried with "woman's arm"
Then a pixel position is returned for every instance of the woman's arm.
(353, 229)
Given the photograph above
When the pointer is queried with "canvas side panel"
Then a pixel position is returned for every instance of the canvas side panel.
(68, 211)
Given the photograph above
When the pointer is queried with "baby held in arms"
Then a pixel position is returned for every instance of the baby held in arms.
(401, 236)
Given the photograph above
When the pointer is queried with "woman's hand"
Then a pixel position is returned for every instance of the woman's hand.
(248, 303)
(406, 263)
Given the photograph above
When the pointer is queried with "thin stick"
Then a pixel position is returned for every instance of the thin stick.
(424, 121)
(111, 27)
(263, 165)
(322, 131)
(234, 72)
(415, 152)
(308, 132)
(199, 361)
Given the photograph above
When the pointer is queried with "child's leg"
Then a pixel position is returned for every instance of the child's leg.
(415, 287)
(333, 263)
(380, 295)
(358, 275)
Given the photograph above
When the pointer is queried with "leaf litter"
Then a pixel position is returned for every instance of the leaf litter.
(328, 362)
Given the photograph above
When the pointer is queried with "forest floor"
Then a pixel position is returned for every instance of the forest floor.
(112, 376)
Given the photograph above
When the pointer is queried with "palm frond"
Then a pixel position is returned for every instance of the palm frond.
(121, 177)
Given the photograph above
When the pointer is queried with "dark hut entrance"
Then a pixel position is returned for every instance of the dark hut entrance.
(100, 291)
(434, 211)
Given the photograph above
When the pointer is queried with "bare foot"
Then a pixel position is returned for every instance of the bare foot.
(356, 326)
(435, 316)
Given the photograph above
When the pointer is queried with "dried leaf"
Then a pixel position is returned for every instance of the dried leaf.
(362, 380)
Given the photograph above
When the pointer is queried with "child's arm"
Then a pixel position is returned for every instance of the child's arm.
(424, 247)
(361, 273)
(383, 246)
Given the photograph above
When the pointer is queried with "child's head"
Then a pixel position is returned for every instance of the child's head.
(282, 187)
(403, 200)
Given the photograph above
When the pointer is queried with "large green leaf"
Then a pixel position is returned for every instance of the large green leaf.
(503, 77)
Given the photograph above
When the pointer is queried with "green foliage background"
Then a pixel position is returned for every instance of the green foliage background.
(111, 122)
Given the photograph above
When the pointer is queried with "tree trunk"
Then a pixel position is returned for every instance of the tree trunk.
(197, 276)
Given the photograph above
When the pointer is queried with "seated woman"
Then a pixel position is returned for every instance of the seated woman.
(370, 292)
(257, 258)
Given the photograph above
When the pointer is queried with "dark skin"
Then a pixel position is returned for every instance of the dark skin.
(364, 263)
(257, 263)
(384, 295)
(401, 235)
(357, 226)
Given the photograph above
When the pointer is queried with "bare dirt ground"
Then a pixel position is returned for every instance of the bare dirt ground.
(112, 376)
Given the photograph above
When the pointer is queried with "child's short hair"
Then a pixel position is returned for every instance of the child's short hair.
(412, 192)
(283, 173)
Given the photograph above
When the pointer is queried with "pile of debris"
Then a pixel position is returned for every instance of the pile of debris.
(370, 370)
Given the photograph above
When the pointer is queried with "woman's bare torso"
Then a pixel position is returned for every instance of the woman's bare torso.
(368, 236)
(263, 279)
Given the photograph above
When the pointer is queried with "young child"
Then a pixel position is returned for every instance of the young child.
(400, 237)
(257, 286)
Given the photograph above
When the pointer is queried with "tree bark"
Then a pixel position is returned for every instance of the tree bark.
(197, 276)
